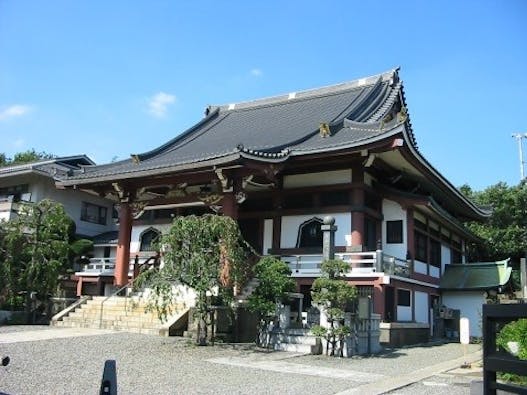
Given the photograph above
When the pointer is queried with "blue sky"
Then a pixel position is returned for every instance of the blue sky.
(111, 78)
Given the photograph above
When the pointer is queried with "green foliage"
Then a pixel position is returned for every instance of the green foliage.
(34, 250)
(274, 281)
(205, 253)
(24, 157)
(332, 294)
(80, 247)
(515, 331)
(505, 231)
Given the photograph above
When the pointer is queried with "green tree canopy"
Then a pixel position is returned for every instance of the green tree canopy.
(205, 253)
(333, 293)
(274, 282)
(24, 157)
(34, 250)
(505, 233)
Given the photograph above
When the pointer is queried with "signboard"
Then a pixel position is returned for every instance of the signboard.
(464, 330)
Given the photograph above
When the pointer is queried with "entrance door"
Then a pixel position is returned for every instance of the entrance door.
(370, 234)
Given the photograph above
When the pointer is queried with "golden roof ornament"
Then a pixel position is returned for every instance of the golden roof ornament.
(402, 115)
(324, 130)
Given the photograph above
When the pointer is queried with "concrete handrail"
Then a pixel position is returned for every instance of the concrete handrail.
(71, 307)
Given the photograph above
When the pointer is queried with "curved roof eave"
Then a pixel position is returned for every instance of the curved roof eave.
(157, 171)
(478, 212)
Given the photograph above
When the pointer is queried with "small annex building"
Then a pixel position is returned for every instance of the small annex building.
(279, 165)
(467, 287)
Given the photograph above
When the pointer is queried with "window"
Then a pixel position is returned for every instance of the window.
(435, 253)
(93, 213)
(148, 238)
(310, 234)
(404, 298)
(394, 232)
(421, 247)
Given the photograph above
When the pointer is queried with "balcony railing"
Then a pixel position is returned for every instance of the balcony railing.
(360, 263)
(106, 266)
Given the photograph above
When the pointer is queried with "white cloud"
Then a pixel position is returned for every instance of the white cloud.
(256, 72)
(158, 104)
(16, 110)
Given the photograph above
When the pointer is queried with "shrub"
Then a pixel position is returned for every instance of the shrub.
(515, 331)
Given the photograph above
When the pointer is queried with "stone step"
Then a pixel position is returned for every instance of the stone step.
(111, 324)
(97, 317)
(282, 338)
(300, 348)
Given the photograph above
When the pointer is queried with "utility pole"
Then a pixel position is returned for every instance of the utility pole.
(519, 137)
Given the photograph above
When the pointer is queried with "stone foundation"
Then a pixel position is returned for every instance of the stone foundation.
(398, 334)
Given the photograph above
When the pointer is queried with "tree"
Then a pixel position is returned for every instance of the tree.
(505, 233)
(332, 294)
(274, 282)
(205, 253)
(34, 250)
(24, 157)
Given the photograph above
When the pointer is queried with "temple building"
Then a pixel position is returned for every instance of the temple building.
(278, 166)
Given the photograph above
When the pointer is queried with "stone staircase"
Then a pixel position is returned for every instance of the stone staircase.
(293, 340)
(123, 314)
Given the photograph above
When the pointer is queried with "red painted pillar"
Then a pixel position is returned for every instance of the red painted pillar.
(122, 259)
(357, 216)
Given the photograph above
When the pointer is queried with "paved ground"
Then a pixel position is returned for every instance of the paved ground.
(71, 361)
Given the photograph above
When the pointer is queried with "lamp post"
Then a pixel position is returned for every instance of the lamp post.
(519, 137)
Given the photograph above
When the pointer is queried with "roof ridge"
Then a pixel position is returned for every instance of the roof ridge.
(309, 93)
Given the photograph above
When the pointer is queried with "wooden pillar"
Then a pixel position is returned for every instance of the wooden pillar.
(277, 222)
(357, 216)
(122, 259)
(410, 240)
(230, 206)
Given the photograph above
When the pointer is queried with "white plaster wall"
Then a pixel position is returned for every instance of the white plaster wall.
(470, 304)
(420, 267)
(72, 202)
(421, 307)
(315, 179)
(434, 271)
(135, 241)
(445, 257)
(41, 187)
(268, 236)
(392, 211)
(290, 225)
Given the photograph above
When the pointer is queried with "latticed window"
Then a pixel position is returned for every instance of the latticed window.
(310, 233)
(148, 239)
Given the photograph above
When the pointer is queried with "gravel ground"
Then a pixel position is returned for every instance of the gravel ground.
(394, 361)
(155, 365)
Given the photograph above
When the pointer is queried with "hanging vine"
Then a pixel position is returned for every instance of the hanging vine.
(206, 253)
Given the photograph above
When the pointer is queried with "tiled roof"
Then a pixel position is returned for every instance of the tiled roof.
(106, 238)
(475, 276)
(55, 167)
(269, 129)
